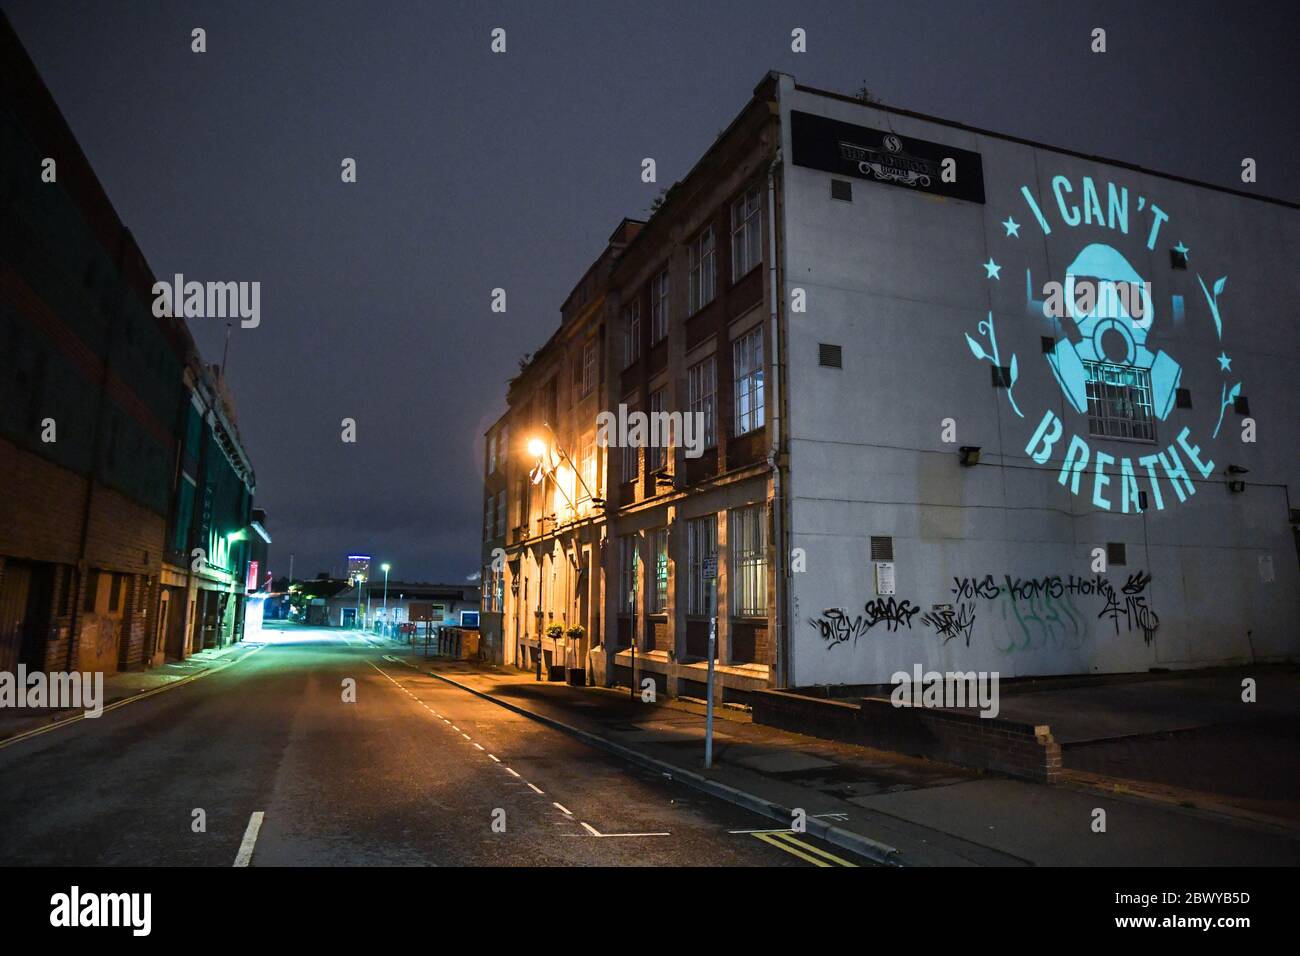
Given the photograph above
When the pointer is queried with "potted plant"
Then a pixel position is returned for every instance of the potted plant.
(577, 675)
(555, 662)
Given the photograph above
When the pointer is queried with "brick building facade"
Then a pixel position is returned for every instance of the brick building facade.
(824, 289)
(93, 413)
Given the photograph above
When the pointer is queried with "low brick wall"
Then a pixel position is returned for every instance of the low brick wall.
(968, 740)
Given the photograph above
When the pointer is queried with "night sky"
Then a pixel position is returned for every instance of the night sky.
(478, 170)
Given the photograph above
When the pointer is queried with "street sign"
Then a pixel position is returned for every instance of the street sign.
(710, 568)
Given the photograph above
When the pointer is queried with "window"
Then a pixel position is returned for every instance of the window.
(587, 466)
(92, 592)
(521, 503)
(552, 402)
(631, 458)
(115, 593)
(701, 545)
(501, 513)
(745, 235)
(656, 455)
(489, 516)
(493, 590)
(703, 254)
(628, 560)
(659, 307)
(747, 529)
(632, 333)
(1119, 402)
(659, 552)
(492, 453)
(747, 355)
(503, 444)
(589, 371)
(701, 390)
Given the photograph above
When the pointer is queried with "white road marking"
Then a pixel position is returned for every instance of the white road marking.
(564, 810)
(535, 788)
(480, 747)
(245, 855)
(181, 682)
(495, 757)
(465, 735)
(511, 772)
(596, 833)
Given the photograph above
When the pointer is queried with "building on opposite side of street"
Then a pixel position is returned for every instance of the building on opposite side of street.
(118, 446)
(367, 604)
(969, 402)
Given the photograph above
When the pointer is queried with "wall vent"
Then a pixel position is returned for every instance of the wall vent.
(830, 356)
(882, 548)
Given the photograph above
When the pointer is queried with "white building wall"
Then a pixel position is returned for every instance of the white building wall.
(896, 277)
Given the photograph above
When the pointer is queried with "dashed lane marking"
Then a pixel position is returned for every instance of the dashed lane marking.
(245, 854)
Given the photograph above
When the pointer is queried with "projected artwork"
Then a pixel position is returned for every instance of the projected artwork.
(1116, 383)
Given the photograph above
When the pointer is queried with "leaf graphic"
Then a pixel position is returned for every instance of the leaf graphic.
(1219, 284)
(975, 347)
(1015, 370)
(1232, 395)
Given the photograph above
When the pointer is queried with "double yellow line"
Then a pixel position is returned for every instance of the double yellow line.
(787, 841)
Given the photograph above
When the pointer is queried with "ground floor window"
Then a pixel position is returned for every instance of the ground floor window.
(747, 533)
(701, 546)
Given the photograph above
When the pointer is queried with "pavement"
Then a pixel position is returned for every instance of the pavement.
(1184, 736)
(319, 748)
(906, 811)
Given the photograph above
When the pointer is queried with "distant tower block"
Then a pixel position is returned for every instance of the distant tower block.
(358, 568)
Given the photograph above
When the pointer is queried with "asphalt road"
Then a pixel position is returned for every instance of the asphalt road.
(414, 772)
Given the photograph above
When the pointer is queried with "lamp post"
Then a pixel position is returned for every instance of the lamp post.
(384, 568)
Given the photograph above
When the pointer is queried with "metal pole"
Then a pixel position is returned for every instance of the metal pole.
(537, 662)
(387, 631)
(631, 691)
(708, 704)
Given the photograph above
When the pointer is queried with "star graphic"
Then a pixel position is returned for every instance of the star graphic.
(1225, 363)
(992, 268)
(1181, 249)
(1013, 227)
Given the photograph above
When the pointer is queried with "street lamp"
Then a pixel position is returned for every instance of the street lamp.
(384, 568)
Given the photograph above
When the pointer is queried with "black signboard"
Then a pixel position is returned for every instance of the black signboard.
(885, 157)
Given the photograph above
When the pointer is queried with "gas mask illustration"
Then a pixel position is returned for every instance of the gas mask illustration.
(1108, 333)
